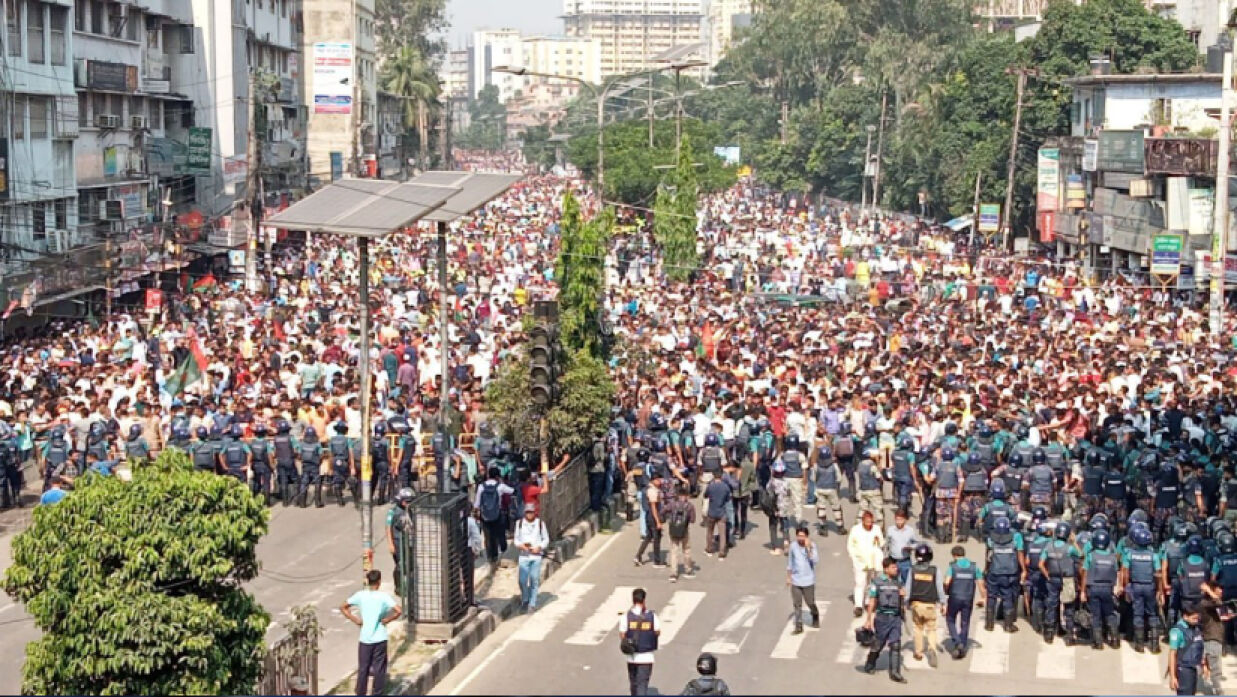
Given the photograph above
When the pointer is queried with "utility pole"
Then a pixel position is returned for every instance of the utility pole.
(601, 144)
(867, 162)
(650, 111)
(1006, 215)
(251, 188)
(678, 118)
(785, 119)
(107, 269)
(444, 363)
(1219, 231)
(975, 214)
(880, 147)
(364, 372)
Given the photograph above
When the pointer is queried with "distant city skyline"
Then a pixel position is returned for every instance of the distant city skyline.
(529, 16)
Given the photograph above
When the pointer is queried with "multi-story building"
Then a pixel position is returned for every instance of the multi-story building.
(1007, 14)
(340, 84)
(455, 74)
(575, 56)
(1200, 18)
(725, 16)
(634, 32)
(492, 48)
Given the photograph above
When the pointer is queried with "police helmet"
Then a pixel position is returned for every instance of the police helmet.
(1100, 539)
(134, 431)
(1001, 525)
(1039, 513)
(398, 424)
(642, 455)
(1227, 543)
(1215, 526)
(657, 422)
(341, 428)
(1093, 457)
(1039, 457)
(380, 429)
(260, 430)
(1137, 516)
(906, 443)
(1180, 533)
(791, 442)
(1022, 431)
(215, 432)
(1015, 460)
(712, 441)
(1045, 528)
(236, 431)
(983, 430)
(658, 445)
(1141, 535)
(282, 426)
(404, 495)
(951, 429)
(96, 429)
(706, 664)
(823, 453)
(923, 553)
(1109, 460)
(974, 459)
(1062, 531)
(1099, 521)
(58, 433)
(203, 433)
(947, 454)
(1194, 546)
(310, 434)
(998, 490)
(180, 432)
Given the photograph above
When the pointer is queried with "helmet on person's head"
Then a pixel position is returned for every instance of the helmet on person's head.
(1194, 546)
(906, 443)
(947, 454)
(1137, 516)
(1039, 457)
(1092, 457)
(1044, 527)
(260, 430)
(282, 426)
(1001, 525)
(791, 442)
(97, 429)
(404, 495)
(236, 431)
(58, 433)
(951, 429)
(1062, 531)
(823, 453)
(380, 429)
(135, 431)
(983, 430)
(706, 664)
(658, 445)
(1039, 513)
(1099, 521)
(1015, 460)
(998, 490)
(712, 441)
(215, 432)
(974, 458)
(310, 434)
(203, 433)
(923, 553)
(341, 428)
(1100, 539)
(1226, 542)
(657, 422)
(1141, 535)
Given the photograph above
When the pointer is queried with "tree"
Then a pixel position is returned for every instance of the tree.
(136, 585)
(415, 23)
(410, 76)
(488, 116)
(581, 413)
(581, 275)
(537, 148)
(674, 217)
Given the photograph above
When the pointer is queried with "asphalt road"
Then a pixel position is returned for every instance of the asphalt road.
(740, 610)
(310, 556)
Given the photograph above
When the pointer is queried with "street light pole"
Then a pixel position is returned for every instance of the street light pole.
(367, 491)
(1219, 231)
(867, 162)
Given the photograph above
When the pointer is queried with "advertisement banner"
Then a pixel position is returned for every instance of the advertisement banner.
(1048, 191)
(1202, 208)
(235, 169)
(332, 77)
(1121, 151)
(109, 161)
(1047, 225)
(154, 299)
(1090, 154)
(1166, 254)
(1075, 193)
(989, 217)
(198, 157)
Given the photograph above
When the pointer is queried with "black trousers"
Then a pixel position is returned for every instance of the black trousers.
(638, 675)
(495, 538)
(371, 662)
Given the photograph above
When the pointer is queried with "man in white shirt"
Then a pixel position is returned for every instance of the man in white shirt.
(532, 539)
(865, 545)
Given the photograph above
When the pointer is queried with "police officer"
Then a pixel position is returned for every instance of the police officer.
(260, 463)
(1187, 581)
(870, 497)
(1185, 656)
(1092, 483)
(380, 456)
(925, 592)
(1224, 571)
(97, 443)
(287, 476)
(310, 454)
(179, 436)
(1011, 473)
(902, 462)
(885, 604)
(399, 531)
(638, 633)
(795, 463)
(1167, 495)
(405, 451)
(995, 509)
(708, 683)
(342, 464)
(828, 477)
(1056, 456)
(56, 452)
(1040, 482)
(1057, 564)
(136, 446)
(486, 444)
(10, 468)
(236, 455)
(961, 581)
(205, 455)
(712, 458)
(1115, 493)
(1142, 579)
(1100, 579)
(1005, 574)
(844, 448)
(944, 479)
(974, 487)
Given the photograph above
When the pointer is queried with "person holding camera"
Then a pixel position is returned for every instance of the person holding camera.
(638, 633)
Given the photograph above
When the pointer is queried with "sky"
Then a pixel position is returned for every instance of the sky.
(529, 16)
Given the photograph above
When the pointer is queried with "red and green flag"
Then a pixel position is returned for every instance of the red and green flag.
(191, 370)
(205, 283)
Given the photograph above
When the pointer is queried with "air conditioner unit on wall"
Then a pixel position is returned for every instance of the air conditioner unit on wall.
(138, 122)
(107, 121)
(57, 241)
(112, 209)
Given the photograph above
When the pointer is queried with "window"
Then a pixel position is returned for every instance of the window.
(38, 117)
(283, 8)
(100, 104)
(98, 17)
(132, 22)
(79, 16)
(59, 25)
(186, 39)
(153, 37)
(83, 103)
(62, 213)
(19, 118)
(38, 225)
(12, 21)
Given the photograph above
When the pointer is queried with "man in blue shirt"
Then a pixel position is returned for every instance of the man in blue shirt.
(55, 494)
(377, 610)
(962, 579)
(801, 577)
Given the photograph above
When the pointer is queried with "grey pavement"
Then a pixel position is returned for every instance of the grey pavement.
(310, 556)
(739, 608)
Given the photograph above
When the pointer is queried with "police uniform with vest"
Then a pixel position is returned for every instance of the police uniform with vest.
(99, 447)
(1102, 569)
(205, 455)
(1188, 581)
(711, 460)
(1224, 570)
(236, 459)
(55, 454)
(380, 456)
(903, 461)
(1036, 585)
(946, 485)
(1187, 640)
(1167, 496)
(963, 578)
(399, 523)
(287, 476)
(1114, 497)
(1092, 487)
(1040, 485)
(1004, 572)
(1059, 558)
(925, 593)
(10, 472)
(828, 477)
(886, 595)
(1142, 569)
(870, 496)
(993, 511)
(137, 448)
(260, 459)
(341, 464)
(310, 455)
(407, 450)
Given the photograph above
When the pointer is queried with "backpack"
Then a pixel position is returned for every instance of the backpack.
(678, 523)
(490, 503)
(844, 447)
(598, 457)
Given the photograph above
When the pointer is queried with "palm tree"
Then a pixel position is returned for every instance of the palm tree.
(411, 77)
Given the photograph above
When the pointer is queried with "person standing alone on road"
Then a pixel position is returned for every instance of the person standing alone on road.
(801, 577)
(638, 632)
(377, 610)
(864, 546)
(531, 538)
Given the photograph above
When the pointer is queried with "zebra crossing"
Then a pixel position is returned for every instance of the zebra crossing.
(585, 615)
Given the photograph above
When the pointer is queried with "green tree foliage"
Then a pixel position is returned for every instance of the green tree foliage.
(488, 127)
(582, 412)
(411, 77)
(674, 218)
(536, 146)
(416, 23)
(136, 585)
(582, 263)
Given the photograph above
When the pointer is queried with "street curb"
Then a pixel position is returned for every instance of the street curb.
(488, 618)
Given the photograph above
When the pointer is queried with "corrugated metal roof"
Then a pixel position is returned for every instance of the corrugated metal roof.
(472, 190)
(363, 207)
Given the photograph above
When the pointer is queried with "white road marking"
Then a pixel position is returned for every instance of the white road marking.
(1055, 662)
(991, 656)
(1140, 667)
(938, 644)
(1228, 665)
(851, 652)
(538, 625)
(729, 636)
(472, 675)
(604, 619)
(788, 644)
(674, 615)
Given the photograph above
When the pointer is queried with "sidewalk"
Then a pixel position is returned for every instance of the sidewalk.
(416, 666)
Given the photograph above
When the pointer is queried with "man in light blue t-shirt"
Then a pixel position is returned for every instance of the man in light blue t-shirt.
(377, 609)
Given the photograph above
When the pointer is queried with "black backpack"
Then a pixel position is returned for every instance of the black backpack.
(678, 523)
(491, 503)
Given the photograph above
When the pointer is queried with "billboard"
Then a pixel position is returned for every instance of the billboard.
(197, 157)
(1048, 196)
(1166, 254)
(332, 77)
(1121, 151)
(989, 217)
